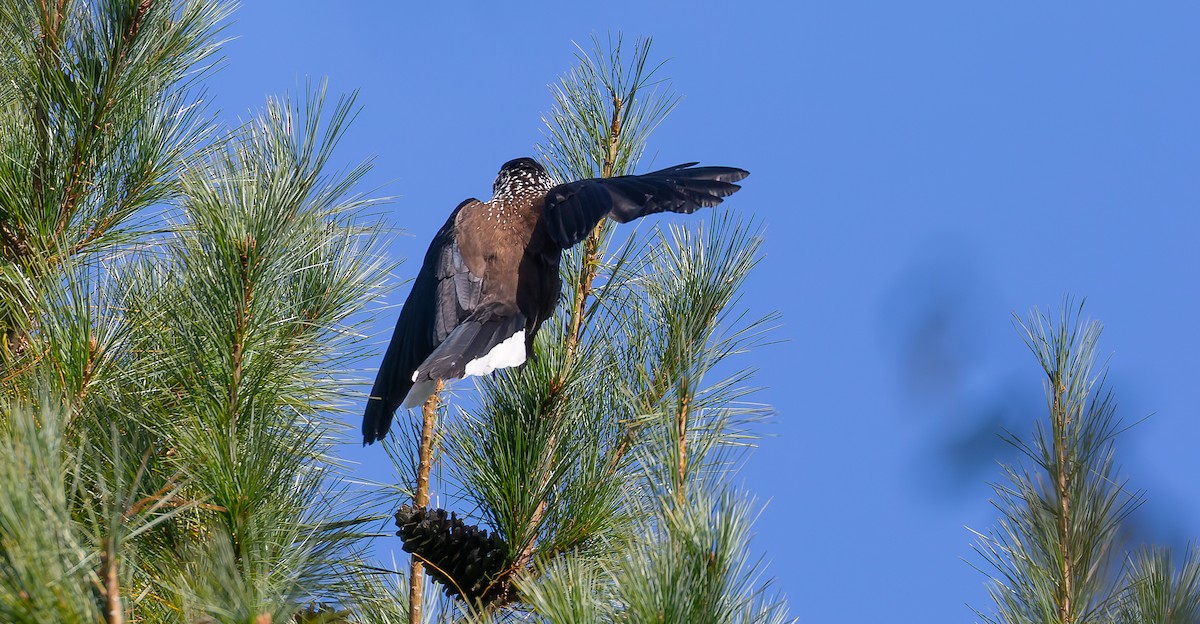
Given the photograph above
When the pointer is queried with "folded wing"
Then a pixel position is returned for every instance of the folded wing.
(444, 294)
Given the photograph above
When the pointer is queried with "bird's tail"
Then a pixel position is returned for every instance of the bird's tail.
(492, 337)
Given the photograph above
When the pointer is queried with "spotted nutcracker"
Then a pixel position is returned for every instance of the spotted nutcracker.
(490, 277)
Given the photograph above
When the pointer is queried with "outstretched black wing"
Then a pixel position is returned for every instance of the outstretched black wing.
(444, 293)
(573, 209)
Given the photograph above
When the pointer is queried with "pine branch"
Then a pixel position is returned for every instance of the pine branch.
(166, 398)
(416, 581)
(682, 432)
(1062, 469)
(535, 457)
(113, 613)
(245, 249)
(1052, 551)
(583, 287)
(591, 245)
(1159, 591)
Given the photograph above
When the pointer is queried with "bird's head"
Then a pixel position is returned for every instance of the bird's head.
(521, 176)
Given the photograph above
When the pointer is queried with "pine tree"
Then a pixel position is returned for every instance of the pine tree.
(601, 466)
(176, 296)
(1056, 553)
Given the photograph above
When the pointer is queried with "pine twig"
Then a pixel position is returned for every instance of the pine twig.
(587, 274)
(682, 424)
(591, 262)
(113, 613)
(241, 327)
(1061, 422)
(416, 579)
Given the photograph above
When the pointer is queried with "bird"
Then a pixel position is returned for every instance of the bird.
(490, 277)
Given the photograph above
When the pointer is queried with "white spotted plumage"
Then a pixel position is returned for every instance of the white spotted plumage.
(518, 181)
(517, 185)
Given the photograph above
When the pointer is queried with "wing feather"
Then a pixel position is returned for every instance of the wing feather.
(444, 293)
(573, 209)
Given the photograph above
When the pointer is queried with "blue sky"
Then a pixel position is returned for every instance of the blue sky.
(923, 169)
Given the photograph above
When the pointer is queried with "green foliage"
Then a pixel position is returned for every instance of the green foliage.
(685, 563)
(163, 387)
(1157, 592)
(604, 111)
(683, 426)
(47, 557)
(695, 568)
(1056, 550)
(1060, 520)
(177, 298)
(98, 118)
(249, 302)
(595, 461)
